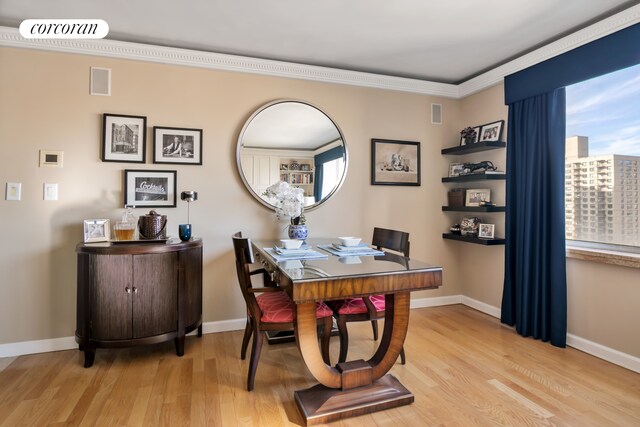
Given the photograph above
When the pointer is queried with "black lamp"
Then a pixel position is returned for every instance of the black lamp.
(184, 230)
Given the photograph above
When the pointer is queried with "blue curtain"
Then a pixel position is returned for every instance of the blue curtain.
(319, 161)
(535, 289)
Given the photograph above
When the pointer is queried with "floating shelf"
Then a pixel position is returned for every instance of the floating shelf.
(476, 240)
(474, 148)
(474, 177)
(474, 208)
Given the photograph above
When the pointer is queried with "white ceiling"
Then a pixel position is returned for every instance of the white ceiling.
(435, 40)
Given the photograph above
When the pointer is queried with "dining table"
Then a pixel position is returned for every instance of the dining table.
(354, 387)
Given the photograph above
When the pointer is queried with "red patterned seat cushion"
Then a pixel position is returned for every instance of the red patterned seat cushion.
(277, 307)
(356, 305)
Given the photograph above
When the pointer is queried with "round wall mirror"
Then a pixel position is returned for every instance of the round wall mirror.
(295, 142)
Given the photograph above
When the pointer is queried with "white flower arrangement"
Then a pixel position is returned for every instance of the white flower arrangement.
(289, 201)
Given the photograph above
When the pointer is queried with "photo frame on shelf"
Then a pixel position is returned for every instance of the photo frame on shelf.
(178, 146)
(150, 188)
(486, 231)
(492, 131)
(464, 141)
(124, 138)
(475, 196)
(97, 230)
(456, 169)
(395, 162)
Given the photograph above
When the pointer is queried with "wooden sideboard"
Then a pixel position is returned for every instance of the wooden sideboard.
(137, 294)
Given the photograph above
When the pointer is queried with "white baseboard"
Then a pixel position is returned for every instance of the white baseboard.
(610, 355)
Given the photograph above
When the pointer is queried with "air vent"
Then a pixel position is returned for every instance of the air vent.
(436, 114)
(101, 81)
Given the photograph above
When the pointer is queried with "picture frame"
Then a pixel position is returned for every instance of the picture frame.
(150, 188)
(124, 138)
(492, 131)
(456, 169)
(177, 146)
(395, 162)
(474, 196)
(486, 231)
(97, 230)
(477, 139)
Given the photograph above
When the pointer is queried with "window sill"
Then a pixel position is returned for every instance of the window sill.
(603, 256)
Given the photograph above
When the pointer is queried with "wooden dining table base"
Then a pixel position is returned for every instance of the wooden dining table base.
(355, 387)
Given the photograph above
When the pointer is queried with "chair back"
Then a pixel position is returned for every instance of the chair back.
(394, 240)
(244, 259)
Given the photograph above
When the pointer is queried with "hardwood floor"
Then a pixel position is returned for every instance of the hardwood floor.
(463, 367)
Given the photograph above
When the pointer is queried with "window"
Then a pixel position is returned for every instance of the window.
(603, 146)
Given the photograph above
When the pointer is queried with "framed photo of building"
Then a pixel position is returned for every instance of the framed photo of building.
(395, 162)
(177, 145)
(96, 230)
(150, 188)
(486, 231)
(475, 196)
(492, 131)
(123, 138)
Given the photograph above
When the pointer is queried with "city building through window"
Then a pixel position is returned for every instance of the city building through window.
(602, 160)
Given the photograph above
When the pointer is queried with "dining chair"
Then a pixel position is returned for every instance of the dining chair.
(369, 308)
(269, 308)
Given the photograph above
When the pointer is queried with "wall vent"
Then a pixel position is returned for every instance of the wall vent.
(100, 81)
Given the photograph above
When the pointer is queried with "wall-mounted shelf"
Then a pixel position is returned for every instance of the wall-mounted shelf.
(476, 240)
(474, 148)
(474, 208)
(474, 177)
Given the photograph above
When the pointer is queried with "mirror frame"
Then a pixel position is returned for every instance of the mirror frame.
(239, 148)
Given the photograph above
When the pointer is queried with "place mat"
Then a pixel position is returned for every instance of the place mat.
(358, 247)
(309, 254)
(363, 252)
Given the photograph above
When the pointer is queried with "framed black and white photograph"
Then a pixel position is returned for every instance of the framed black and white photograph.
(456, 169)
(468, 139)
(486, 231)
(492, 131)
(177, 146)
(150, 188)
(123, 138)
(96, 230)
(475, 196)
(395, 162)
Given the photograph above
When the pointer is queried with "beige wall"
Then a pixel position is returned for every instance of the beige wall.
(45, 104)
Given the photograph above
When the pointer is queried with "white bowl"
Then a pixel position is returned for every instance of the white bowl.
(291, 243)
(349, 241)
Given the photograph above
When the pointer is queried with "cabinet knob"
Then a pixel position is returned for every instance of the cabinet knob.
(127, 290)
(135, 290)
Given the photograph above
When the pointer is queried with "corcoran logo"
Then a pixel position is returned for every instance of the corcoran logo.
(64, 29)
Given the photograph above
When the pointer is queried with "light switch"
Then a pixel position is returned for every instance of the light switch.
(14, 191)
(50, 191)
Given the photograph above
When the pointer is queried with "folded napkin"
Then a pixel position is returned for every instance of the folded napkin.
(304, 254)
(362, 251)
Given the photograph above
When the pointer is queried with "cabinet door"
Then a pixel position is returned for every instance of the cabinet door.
(155, 298)
(191, 264)
(110, 300)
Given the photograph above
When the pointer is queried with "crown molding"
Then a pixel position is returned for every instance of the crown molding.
(593, 32)
(10, 37)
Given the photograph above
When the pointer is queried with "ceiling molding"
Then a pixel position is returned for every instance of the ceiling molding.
(593, 32)
(10, 37)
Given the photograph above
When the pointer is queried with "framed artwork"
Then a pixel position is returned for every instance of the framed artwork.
(476, 138)
(177, 146)
(492, 131)
(486, 231)
(395, 162)
(123, 138)
(150, 188)
(456, 169)
(475, 196)
(96, 230)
